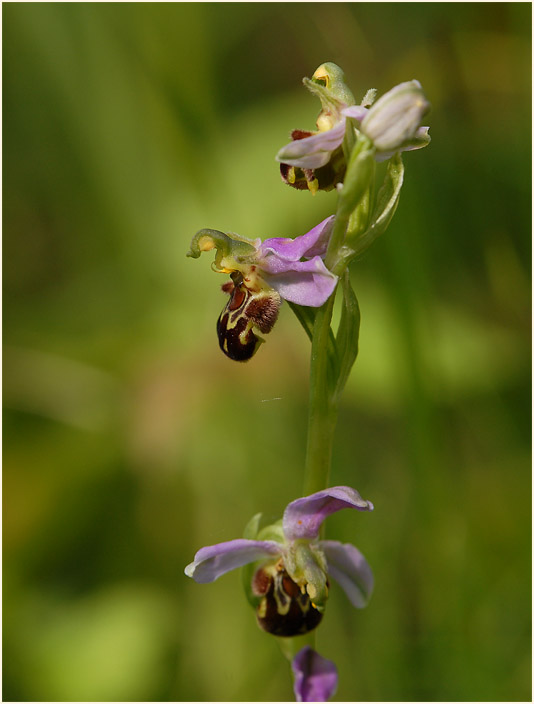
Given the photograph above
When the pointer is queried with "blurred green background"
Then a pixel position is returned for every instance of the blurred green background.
(130, 440)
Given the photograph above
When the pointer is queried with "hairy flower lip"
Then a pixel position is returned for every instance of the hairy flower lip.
(306, 558)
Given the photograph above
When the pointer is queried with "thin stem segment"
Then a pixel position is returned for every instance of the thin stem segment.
(322, 410)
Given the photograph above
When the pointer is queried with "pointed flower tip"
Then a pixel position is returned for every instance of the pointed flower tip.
(315, 677)
(369, 98)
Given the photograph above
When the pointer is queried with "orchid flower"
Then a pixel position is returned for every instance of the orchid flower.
(264, 273)
(315, 677)
(315, 160)
(289, 578)
(321, 162)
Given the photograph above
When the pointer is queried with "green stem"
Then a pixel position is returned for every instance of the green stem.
(322, 410)
(341, 222)
(306, 317)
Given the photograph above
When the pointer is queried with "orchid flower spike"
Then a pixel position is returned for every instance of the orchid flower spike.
(315, 160)
(315, 677)
(289, 566)
(264, 273)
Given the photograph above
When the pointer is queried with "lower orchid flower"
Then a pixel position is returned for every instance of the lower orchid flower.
(289, 566)
(264, 273)
(315, 677)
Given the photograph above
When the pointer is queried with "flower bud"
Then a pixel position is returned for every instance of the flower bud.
(392, 122)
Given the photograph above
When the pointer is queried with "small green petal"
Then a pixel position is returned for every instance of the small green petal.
(272, 532)
(231, 248)
(252, 527)
(306, 566)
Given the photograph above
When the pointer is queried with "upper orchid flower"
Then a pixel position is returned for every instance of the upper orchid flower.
(262, 274)
(315, 677)
(315, 159)
(289, 584)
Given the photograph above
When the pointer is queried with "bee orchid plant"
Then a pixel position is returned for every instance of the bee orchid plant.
(288, 566)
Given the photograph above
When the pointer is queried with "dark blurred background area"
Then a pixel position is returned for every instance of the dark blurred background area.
(130, 440)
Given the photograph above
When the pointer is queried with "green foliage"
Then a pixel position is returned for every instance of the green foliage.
(384, 209)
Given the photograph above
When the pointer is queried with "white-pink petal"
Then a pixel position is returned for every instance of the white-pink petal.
(215, 560)
(350, 569)
(314, 151)
(303, 517)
